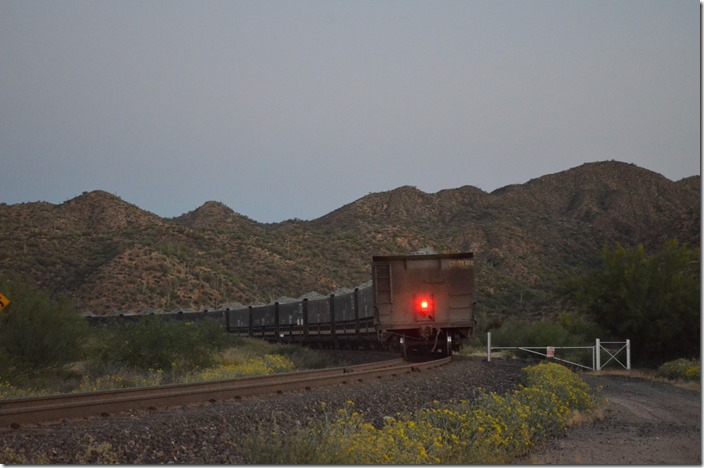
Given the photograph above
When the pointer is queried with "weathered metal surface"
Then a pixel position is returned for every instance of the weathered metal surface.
(424, 303)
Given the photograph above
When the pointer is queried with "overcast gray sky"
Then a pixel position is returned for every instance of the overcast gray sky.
(291, 109)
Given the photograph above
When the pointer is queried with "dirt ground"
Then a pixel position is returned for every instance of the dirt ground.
(644, 423)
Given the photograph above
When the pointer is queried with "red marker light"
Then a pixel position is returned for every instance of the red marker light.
(425, 307)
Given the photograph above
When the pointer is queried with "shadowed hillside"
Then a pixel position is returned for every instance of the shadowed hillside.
(111, 256)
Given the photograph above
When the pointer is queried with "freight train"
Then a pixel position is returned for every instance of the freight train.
(416, 305)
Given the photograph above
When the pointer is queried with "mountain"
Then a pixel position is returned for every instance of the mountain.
(215, 216)
(113, 257)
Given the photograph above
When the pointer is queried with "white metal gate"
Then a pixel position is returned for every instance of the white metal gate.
(611, 348)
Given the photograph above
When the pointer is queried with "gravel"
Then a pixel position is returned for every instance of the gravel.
(211, 433)
(645, 423)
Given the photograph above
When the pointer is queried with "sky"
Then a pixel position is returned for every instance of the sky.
(293, 108)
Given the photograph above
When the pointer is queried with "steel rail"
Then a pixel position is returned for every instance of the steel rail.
(178, 388)
(104, 403)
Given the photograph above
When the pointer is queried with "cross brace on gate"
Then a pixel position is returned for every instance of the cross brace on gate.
(549, 352)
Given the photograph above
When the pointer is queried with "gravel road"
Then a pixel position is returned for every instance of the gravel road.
(645, 423)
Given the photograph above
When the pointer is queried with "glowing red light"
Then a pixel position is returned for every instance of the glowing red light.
(424, 306)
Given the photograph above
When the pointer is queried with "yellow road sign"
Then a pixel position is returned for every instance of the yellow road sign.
(4, 302)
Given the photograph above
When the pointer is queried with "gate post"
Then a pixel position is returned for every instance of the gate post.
(598, 354)
(488, 346)
(628, 354)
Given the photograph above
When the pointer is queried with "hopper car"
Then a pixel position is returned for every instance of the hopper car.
(416, 305)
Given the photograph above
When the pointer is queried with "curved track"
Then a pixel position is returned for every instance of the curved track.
(33, 410)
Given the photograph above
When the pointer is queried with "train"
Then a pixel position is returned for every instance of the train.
(416, 305)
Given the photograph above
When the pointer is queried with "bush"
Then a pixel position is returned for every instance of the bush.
(39, 332)
(253, 357)
(252, 366)
(122, 379)
(653, 300)
(580, 328)
(302, 357)
(9, 391)
(524, 333)
(489, 430)
(680, 369)
(156, 343)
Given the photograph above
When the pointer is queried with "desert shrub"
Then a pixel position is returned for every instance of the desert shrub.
(347, 439)
(680, 369)
(10, 456)
(515, 333)
(156, 343)
(121, 379)
(570, 390)
(9, 391)
(5, 362)
(89, 452)
(652, 299)
(489, 429)
(244, 367)
(581, 329)
(525, 333)
(38, 332)
(251, 357)
(302, 357)
(243, 358)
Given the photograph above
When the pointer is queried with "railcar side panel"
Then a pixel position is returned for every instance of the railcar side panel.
(419, 297)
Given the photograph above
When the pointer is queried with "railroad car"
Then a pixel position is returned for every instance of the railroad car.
(424, 303)
(414, 305)
(336, 321)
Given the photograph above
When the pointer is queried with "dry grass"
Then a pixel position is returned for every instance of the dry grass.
(579, 417)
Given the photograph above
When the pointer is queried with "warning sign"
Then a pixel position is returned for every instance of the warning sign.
(550, 352)
(4, 302)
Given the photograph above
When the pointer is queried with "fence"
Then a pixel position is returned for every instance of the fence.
(596, 350)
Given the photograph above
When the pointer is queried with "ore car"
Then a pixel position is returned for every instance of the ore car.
(424, 303)
(416, 305)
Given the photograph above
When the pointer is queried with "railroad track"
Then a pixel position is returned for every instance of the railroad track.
(14, 413)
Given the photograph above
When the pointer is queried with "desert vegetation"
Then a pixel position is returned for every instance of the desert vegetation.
(686, 370)
(652, 298)
(487, 428)
(649, 297)
(46, 347)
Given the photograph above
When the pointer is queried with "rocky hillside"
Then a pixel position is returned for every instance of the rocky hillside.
(111, 256)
